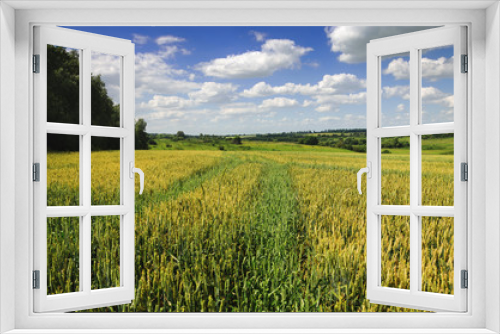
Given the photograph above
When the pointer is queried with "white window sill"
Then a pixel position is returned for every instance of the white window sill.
(251, 331)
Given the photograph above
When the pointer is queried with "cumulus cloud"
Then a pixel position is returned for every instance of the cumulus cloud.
(275, 54)
(155, 76)
(329, 118)
(169, 39)
(396, 91)
(400, 107)
(432, 95)
(213, 92)
(109, 68)
(140, 39)
(239, 108)
(169, 102)
(259, 36)
(279, 102)
(330, 84)
(432, 69)
(351, 41)
(357, 98)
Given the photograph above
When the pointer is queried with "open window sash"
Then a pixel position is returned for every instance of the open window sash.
(86, 295)
(415, 45)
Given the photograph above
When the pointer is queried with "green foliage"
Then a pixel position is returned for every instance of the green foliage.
(309, 140)
(63, 102)
(236, 140)
(141, 137)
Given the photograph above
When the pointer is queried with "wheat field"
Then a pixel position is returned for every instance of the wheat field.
(249, 231)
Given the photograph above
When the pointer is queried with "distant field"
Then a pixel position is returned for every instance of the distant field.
(256, 227)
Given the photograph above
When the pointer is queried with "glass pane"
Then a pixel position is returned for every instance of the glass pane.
(63, 170)
(437, 85)
(395, 167)
(395, 90)
(437, 254)
(105, 252)
(63, 255)
(437, 170)
(63, 85)
(395, 251)
(105, 91)
(105, 171)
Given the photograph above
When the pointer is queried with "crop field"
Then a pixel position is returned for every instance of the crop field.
(251, 230)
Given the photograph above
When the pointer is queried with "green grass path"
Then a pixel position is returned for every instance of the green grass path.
(272, 280)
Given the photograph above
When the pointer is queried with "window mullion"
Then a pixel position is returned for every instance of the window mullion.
(415, 236)
(85, 239)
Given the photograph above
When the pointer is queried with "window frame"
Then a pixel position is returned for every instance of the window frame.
(474, 19)
(86, 43)
(414, 43)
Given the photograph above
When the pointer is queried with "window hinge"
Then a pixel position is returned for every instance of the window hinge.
(464, 171)
(36, 279)
(465, 64)
(36, 172)
(36, 63)
(465, 279)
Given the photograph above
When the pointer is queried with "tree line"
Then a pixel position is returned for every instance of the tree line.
(63, 104)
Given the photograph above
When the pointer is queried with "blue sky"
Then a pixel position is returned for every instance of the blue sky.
(227, 80)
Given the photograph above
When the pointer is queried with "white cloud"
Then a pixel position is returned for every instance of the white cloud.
(279, 102)
(326, 108)
(396, 91)
(432, 69)
(276, 54)
(213, 92)
(109, 68)
(140, 39)
(169, 39)
(259, 36)
(357, 98)
(330, 84)
(351, 41)
(400, 108)
(329, 118)
(240, 108)
(432, 95)
(169, 51)
(399, 68)
(307, 103)
(168, 102)
(156, 77)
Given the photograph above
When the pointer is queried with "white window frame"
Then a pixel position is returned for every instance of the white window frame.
(86, 43)
(414, 43)
(484, 49)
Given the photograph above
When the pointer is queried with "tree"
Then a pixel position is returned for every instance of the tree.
(180, 135)
(236, 140)
(63, 101)
(141, 137)
(310, 140)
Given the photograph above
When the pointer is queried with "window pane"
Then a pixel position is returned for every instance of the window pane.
(437, 254)
(437, 170)
(395, 167)
(437, 85)
(105, 171)
(105, 252)
(63, 255)
(63, 170)
(395, 252)
(106, 89)
(395, 90)
(63, 85)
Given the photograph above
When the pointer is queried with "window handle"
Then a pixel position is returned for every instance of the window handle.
(134, 170)
(368, 171)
